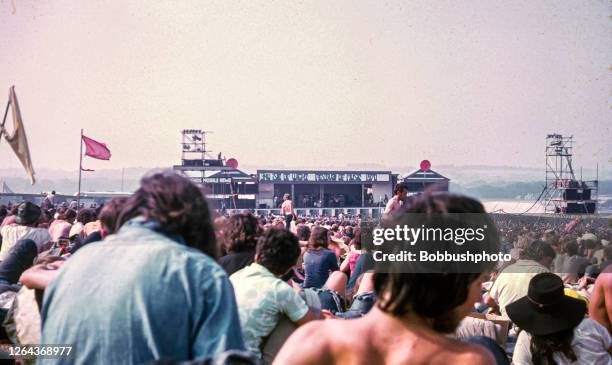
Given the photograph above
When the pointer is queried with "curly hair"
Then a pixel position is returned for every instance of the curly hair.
(178, 205)
(241, 232)
(277, 250)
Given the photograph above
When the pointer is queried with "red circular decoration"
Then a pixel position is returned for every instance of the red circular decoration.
(232, 162)
(425, 165)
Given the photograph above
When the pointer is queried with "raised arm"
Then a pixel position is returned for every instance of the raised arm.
(39, 276)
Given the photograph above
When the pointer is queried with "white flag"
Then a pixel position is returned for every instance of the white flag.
(18, 139)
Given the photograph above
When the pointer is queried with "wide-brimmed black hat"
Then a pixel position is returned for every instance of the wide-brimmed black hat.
(546, 309)
(27, 213)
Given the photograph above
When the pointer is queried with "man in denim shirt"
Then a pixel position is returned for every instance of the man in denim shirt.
(151, 291)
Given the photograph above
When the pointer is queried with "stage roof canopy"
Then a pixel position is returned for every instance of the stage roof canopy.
(425, 176)
(235, 175)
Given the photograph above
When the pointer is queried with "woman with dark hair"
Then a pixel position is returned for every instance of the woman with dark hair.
(241, 233)
(319, 262)
(554, 328)
(152, 290)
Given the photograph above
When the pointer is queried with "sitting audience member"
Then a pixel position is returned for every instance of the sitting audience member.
(348, 265)
(10, 218)
(83, 217)
(574, 265)
(364, 299)
(94, 225)
(522, 241)
(319, 262)
(108, 221)
(23, 319)
(561, 256)
(606, 260)
(338, 247)
(241, 234)
(408, 324)
(24, 228)
(365, 261)
(303, 234)
(587, 245)
(598, 254)
(60, 228)
(555, 330)
(159, 294)
(512, 283)
(600, 307)
(262, 296)
(19, 259)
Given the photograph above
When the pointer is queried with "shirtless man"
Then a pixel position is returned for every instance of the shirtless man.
(410, 320)
(384, 336)
(600, 308)
(287, 211)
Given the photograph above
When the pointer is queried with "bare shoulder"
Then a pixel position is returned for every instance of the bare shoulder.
(312, 341)
(476, 355)
(604, 280)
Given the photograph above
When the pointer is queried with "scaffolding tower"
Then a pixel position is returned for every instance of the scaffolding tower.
(204, 169)
(563, 193)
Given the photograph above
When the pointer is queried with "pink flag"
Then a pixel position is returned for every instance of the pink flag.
(96, 149)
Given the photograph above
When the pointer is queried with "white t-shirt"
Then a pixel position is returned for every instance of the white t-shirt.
(15, 232)
(77, 228)
(393, 205)
(512, 284)
(590, 344)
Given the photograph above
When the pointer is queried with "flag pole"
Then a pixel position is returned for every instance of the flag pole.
(80, 170)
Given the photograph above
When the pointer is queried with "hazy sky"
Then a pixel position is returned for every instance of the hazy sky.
(316, 82)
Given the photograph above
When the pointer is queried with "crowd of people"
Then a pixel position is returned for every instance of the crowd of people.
(159, 278)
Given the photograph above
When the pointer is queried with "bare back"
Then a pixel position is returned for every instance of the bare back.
(600, 307)
(377, 338)
(287, 207)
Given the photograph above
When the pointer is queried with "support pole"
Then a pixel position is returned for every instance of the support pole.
(80, 169)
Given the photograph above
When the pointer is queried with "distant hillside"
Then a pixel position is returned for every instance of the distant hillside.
(514, 190)
(66, 182)
(483, 182)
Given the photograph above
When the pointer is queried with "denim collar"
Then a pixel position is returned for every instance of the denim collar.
(155, 226)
